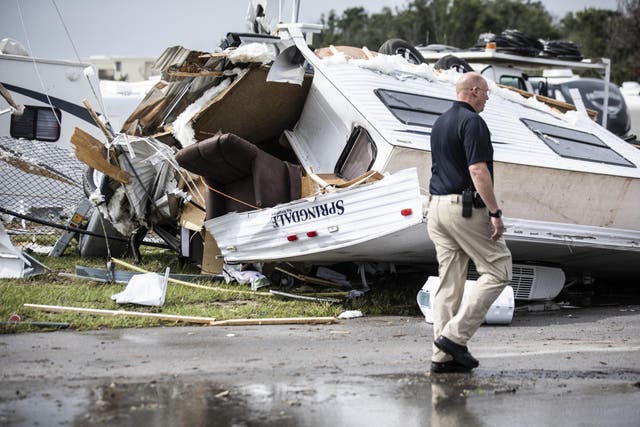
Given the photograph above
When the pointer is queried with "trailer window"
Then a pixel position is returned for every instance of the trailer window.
(413, 109)
(357, 156)
(38, 123)
(574, 144)
(513, 81)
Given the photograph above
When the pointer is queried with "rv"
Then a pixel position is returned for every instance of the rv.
(548, 77)
(323, 156)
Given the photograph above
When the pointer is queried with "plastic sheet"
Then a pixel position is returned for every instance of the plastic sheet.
(144, 289)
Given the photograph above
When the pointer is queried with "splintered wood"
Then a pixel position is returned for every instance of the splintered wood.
(99, 312)
(561, 106)
(92, 152)
(313, 184)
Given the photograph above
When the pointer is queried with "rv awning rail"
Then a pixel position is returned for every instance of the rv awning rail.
(522, 61)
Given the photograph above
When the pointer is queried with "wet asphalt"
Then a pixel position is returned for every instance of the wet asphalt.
(570, 367)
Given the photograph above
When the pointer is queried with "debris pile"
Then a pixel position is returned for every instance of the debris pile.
(201, 100)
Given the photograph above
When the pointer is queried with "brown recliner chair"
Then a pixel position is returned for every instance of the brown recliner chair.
(238, 168)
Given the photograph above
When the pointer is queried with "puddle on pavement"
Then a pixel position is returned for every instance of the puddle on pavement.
(515, 398)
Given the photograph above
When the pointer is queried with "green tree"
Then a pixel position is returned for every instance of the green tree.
(454, 22)
(530, 17)
(590, 29)
(625, 42)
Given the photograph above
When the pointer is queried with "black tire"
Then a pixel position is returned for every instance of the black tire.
(448, 62)
(88, 181)
(91, 179)
(404, 48)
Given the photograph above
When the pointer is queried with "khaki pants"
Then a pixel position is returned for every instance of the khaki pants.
(457, 240)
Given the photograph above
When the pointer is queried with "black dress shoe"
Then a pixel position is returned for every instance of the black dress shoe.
(460, 353)
(450, 367)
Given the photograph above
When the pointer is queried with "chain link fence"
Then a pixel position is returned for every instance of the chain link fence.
(42, 181)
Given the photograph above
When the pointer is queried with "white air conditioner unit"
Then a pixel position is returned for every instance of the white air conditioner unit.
(500, 312)
(531, 282)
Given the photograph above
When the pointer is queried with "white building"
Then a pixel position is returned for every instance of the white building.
(131, 69)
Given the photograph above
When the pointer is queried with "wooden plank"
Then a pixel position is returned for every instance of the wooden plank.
(7, 96)
(317, 183)
(194, 211)
(277, 321)
(307, 297)
(214, 55)
(554, 103)
(154, 98)
(212, 263)
(324, 185)
(196, 74)
(151, 119)
(99, 123)
(310, 279)
(211, 321)
(366, 177)
(100, 312)
(350, 52)
(368, 53)
(92, 152)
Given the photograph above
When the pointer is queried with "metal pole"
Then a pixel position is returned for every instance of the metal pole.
(295, 12)
(607, 77)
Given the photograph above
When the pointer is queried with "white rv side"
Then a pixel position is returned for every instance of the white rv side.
(52, 93)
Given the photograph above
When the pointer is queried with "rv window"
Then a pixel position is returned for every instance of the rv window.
(574, 144)
(413, 109)
(36, 123)
(513, 81)
(358, 155)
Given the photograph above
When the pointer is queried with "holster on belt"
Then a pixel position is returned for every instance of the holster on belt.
(477, 200)
(467, 203)
(471, 199)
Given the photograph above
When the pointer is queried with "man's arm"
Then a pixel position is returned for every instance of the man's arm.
(484, 185)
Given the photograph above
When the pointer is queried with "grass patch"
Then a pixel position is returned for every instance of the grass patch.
(396, 298)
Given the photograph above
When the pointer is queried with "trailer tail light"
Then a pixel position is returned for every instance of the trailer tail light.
(312, 233)
(292, 238)
(406, 212)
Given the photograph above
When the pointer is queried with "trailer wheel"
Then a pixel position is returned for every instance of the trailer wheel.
(91, 180)
(448, 62)
(404, 48)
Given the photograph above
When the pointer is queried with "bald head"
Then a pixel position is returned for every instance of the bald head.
(468, 81)
(473, 89)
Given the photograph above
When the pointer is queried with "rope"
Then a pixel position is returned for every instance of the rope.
(230, 197)
(35, 65)
(66, 30)
(64, 25)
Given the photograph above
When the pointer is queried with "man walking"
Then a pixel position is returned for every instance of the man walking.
(465, 223)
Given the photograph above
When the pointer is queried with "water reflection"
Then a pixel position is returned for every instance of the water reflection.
(407, 400)
(448, 403)
(376, 401)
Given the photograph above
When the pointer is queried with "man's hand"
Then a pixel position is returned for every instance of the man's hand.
(497, 228)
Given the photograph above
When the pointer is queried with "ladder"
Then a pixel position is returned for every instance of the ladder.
(79, 216)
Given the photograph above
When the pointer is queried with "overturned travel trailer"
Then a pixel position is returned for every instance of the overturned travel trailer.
(323, 156)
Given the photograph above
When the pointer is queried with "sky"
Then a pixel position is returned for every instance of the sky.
(146, 27)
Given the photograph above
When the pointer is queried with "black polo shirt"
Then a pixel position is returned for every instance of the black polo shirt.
(459, 138)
